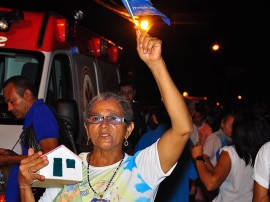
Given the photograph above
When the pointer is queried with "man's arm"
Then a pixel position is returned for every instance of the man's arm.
(172, 143)
(48, 144)
(9, 157)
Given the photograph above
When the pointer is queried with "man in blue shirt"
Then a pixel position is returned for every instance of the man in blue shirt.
(21, 98)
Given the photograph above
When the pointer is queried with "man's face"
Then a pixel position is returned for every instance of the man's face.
(198, 118)
(227, 126)
(17, 105)
(128, 93)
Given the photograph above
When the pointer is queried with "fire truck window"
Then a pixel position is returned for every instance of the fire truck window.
(29, 70)
(60, 81)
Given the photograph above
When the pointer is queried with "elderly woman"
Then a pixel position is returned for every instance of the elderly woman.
(108, 173)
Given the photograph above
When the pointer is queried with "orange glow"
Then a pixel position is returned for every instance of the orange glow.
(215, 47)
(144, 25)
(185, 94)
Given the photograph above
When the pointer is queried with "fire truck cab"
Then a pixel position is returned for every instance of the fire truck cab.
(65, 61)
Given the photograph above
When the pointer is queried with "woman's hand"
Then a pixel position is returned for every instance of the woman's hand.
(30, 165)
(148, 47)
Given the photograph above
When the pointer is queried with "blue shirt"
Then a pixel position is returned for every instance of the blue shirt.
(151, 137)
(176, 186)
(41, 117)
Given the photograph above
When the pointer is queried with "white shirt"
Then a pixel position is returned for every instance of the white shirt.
(238, 185)
(194, 136)
(213, 144)
(138, 177)
(261, 173)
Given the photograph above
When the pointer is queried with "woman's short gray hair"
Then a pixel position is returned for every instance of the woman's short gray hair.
(126, 108)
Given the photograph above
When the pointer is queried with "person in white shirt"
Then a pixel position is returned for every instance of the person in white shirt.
(219, 139)
(261, 174)
(233, 172)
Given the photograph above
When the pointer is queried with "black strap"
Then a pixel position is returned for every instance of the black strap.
(29, 139)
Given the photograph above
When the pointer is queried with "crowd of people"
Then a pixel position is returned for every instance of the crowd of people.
(224, 143)
(173, 152)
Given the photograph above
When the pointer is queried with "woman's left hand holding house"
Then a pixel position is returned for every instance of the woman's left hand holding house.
(27, 175)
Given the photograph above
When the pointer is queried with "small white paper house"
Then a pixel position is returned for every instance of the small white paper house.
(65, 167)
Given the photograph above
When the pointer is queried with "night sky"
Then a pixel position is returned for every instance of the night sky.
(240, 27)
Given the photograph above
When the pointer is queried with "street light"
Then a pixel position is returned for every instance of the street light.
(215, 47)
(185, 94)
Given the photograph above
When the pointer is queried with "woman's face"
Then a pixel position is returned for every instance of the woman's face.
(105, 135)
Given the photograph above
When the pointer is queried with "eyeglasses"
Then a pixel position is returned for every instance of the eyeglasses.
(112, 119)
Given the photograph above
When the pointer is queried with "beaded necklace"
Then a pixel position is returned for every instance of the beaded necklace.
(108, 185)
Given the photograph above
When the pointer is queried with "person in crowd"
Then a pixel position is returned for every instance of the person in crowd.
(213, 144)
(261, 174)
(21, 98)
(204, 130)
(160, 122)
(109, 174)
(218, 139)
(195, 134)
(181, 184)
(199, 119)
(233, 171)
(128, 91)
(177, 186)
(209, 109)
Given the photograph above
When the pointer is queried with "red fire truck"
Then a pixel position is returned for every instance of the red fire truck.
(64, 60)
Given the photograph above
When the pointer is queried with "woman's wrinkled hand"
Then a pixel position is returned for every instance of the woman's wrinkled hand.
(148, 47)
(29, 166)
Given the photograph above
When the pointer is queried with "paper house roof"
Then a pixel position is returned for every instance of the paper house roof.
(65, 167)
